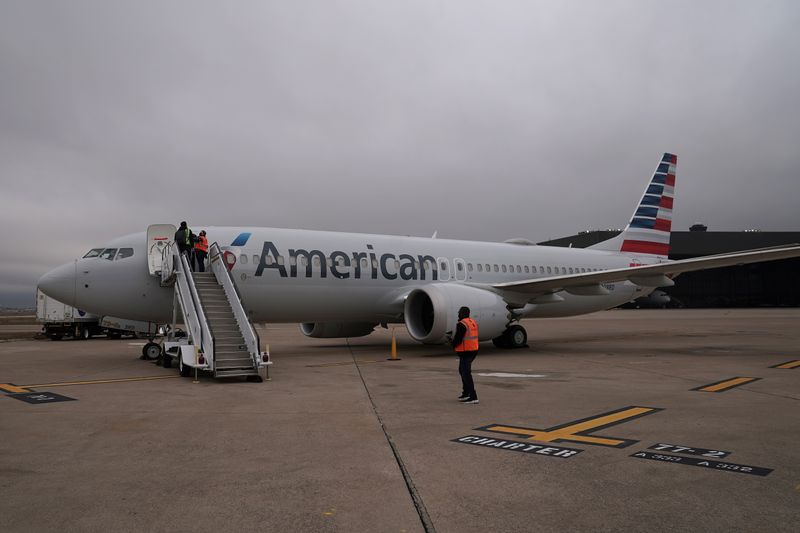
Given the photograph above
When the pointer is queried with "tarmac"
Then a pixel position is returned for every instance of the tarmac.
(16, 326)
(627, 420)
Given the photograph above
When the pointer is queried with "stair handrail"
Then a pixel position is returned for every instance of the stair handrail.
(198, 328)
(207, 341)
(251, 338)
(186, 302)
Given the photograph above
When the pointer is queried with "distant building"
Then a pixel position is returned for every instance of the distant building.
(771, 284)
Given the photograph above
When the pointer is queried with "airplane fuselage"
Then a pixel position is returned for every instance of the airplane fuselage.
(290, 275)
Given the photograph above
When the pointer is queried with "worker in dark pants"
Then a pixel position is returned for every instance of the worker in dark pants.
(465, 343)
(185, 240)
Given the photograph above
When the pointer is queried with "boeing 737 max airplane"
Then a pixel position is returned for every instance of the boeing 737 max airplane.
(345, 284)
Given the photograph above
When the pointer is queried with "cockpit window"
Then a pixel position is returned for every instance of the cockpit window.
(124, 252)
(108, 253)
(94, 252)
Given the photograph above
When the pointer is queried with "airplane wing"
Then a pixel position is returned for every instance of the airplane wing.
(657, 275)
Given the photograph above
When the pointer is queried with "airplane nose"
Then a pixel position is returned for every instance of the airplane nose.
(60, 282)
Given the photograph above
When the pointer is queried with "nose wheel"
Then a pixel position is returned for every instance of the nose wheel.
(513, 337)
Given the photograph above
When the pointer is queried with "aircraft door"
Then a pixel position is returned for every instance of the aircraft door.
(459, 269)
(159, 236)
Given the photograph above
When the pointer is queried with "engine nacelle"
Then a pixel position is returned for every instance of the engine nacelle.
(432, 311)
(331, 330)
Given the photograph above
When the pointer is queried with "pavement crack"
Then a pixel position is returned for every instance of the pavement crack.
(416, 499)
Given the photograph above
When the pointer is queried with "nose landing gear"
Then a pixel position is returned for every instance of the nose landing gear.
(512, 338)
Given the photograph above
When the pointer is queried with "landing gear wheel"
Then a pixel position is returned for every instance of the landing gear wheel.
(185, 370)
(517, 337)
(151, 351)
(513, 337)
(86, 334)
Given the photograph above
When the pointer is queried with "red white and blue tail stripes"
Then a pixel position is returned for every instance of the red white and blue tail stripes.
(648, 231)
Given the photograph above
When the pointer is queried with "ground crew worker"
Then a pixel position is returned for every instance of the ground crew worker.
(465, 343)
(200, 252)
(185, 239)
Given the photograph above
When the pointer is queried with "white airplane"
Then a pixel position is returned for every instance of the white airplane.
(345, 284)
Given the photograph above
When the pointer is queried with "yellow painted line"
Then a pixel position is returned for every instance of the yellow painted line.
(722, 386)
(97, 381)
(14, 389)
(788, 365)
(605, 420)
(577, 431)
(550, 436)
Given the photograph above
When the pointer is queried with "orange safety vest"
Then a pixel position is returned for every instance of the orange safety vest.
(202, 244)
(470, 341)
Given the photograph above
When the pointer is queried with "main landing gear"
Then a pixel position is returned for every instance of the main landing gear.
(513, 337)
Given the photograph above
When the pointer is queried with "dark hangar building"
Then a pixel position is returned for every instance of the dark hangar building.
(770, 284)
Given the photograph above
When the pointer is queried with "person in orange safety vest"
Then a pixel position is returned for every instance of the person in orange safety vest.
(200, 252)
(465, 343)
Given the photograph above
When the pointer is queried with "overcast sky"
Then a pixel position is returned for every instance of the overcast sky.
(480, 119)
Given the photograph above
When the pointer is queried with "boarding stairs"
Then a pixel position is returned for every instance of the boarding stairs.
(231, 355)
(221, 339)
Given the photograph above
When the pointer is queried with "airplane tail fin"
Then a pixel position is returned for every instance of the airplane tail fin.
(647, 234)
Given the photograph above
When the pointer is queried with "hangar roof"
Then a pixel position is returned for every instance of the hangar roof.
(694, 243)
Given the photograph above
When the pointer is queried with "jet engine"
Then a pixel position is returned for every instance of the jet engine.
(330, 330)
(432, 311)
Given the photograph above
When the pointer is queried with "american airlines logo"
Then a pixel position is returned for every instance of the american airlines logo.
(344, 265)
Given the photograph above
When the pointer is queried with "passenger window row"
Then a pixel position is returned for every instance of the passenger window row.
(530, 269)
(479, 267)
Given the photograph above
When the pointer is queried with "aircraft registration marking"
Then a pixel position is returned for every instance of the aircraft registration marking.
(788, 365)
(579, 430)
(725, 384)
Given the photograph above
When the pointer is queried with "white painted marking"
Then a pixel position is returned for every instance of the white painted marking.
(136, 343)
(510, 375)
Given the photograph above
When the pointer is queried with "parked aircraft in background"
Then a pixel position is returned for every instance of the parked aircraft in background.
(345, 284)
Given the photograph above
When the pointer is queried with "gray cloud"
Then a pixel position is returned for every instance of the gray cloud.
(484, 120)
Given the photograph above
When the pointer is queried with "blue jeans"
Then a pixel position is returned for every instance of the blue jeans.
(465, 360)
